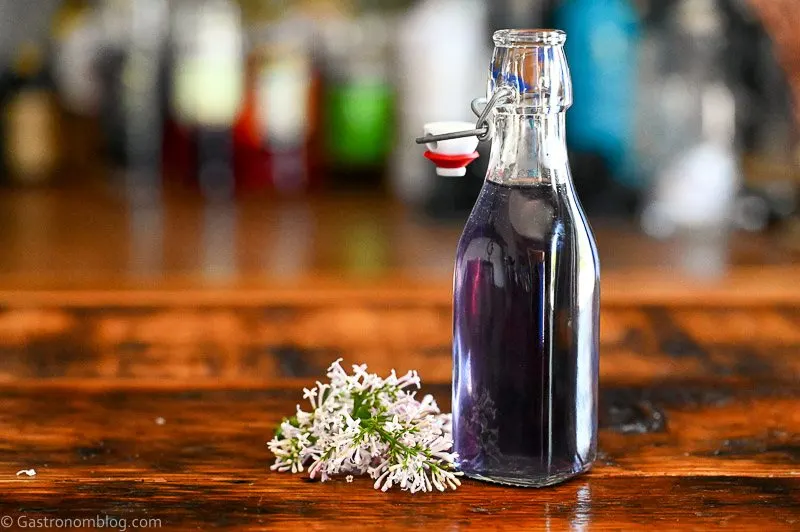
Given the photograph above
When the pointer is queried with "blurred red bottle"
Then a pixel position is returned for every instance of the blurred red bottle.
(275, 132)
(207, 95)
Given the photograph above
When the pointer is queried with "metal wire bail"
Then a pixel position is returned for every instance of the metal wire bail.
(483, 127)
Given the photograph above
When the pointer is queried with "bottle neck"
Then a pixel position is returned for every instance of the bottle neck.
(529, 150)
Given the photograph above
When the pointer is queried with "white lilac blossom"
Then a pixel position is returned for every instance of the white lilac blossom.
(363, 424)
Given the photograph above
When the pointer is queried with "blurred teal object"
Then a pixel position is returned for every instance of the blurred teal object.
(602, 50)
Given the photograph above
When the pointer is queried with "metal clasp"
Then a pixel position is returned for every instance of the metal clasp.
(483, 128)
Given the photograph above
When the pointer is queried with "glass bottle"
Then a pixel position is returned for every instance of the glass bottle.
(437, 41)
(134, 40)
(30, 149)
(689, 140)
(76, 38)
(526, 303)
(207, 92)
(282, 81)
(358, 101)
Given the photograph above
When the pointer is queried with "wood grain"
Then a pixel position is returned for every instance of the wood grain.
(260, 502)
(262, 343)
(699, 417)
(213, 318)
(723, 455)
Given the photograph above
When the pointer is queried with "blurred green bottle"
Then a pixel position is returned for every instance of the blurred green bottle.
(359, 101)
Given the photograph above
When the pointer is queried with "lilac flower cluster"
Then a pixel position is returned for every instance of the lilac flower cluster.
(363, 424)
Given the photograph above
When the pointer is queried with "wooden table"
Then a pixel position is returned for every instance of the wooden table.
(151, 394)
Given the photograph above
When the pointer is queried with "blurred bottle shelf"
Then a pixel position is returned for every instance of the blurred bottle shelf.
(300, 96)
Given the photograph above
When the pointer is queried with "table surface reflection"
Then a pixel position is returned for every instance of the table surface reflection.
(150, 351)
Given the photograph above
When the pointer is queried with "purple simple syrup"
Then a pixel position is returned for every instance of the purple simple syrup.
(525, 337)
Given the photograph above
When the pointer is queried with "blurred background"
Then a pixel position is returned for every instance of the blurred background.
(235, 141)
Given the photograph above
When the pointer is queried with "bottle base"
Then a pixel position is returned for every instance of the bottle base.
(528, 481)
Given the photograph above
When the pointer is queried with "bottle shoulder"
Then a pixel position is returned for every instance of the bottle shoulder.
(518, 218)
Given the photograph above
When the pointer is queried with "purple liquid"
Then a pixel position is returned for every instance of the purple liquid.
(525, 337)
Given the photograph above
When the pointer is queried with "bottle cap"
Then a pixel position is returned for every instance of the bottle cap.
(451, 156)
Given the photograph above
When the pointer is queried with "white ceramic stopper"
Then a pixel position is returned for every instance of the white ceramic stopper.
(451, 172)
(451, 148)
(462, 146)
